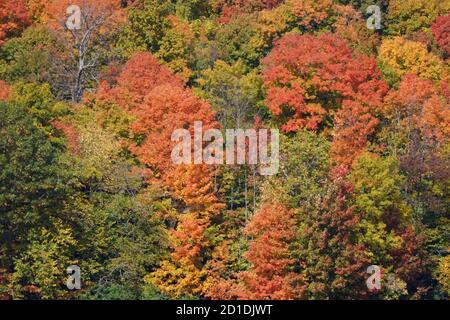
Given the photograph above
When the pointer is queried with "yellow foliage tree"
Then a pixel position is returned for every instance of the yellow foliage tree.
(399, 56)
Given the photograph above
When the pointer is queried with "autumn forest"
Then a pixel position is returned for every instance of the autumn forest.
(92, 91)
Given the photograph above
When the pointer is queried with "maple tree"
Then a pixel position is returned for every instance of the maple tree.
(140, 75)
(272, 229)
(350, 136)
(418, 104)
(441, 32)
(14, 18)
(165, 109)
(161, 104)
(308, 76)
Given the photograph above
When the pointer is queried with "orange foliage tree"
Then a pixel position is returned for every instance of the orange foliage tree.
(138, 77)
(5, 91)
(160, 104)
(165, 109)
(353, 124)
(269, 278)
(55, 11)
(419, 104)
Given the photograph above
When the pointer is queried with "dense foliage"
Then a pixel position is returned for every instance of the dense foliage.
(86, 175)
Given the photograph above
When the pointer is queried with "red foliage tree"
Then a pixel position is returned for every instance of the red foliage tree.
(441, 32)
(307, 77)
(71, 135)
(14, 18)
(138, 77)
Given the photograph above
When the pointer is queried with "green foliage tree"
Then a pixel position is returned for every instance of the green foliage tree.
(408, 16)
(33, 183)
(235, 93)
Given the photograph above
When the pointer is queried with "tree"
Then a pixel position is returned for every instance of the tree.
(270, 278)
(333, 263)
(351, 25)
(175, 47)
(120, 236)
(385, 229)
(35, 56)
(139, 76)
(416, 122)
(441, 32)
(307, 77)
(192, 9)
(234, 93)
(378, 198)
(34, 186)
(304, 164)
(14, 18)
(160, 104)
(147, 26)
(39, 269)
(353, 124)
(417, 105)
(40, 103)
(165, 109)
(240, 39)
(399, 56)
(239, 7)
(407, 17)
(87, 45)
(443, 273)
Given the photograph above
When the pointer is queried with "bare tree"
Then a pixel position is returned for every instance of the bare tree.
(87, 44)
